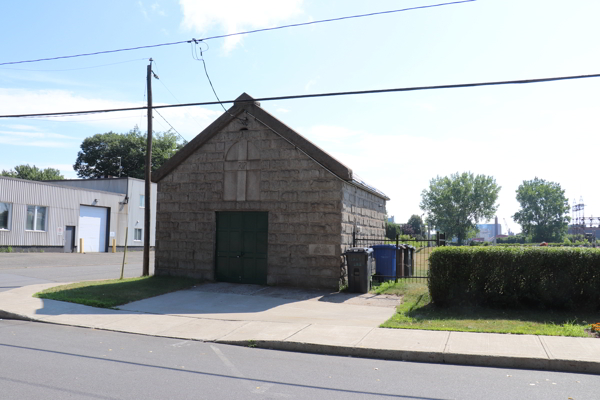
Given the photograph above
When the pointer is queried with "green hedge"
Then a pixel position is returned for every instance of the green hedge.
(562, 244)
(515, 276)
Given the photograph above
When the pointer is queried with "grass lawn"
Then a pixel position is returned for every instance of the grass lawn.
(112, 293)
(417, 312)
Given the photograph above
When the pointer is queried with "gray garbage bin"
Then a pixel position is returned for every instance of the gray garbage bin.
(409, 252)
(361, 265)
(409, 264)
(400, 261)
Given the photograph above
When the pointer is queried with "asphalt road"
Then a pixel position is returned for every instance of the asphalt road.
(56, 362)
(22, 269)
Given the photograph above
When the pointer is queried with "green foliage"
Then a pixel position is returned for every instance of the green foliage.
(389, 287)
(33, 173)
(455, 204)
(417, 312)
(395, 230)
(7, 249)
(556, 278)
(391, 230)
(514, 239)
(543, 213)
(561, 244)
(417, 224)
(577, 238)
(99, 155)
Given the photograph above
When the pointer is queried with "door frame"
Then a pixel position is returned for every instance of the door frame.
(72, 245)
(260, 259)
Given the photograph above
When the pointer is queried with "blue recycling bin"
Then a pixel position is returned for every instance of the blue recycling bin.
(385, 256)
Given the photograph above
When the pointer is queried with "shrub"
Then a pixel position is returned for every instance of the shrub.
(515, 276)
(514, 239)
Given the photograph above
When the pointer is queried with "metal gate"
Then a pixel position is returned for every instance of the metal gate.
(412, 256)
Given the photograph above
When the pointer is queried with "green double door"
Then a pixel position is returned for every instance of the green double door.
(242, 247)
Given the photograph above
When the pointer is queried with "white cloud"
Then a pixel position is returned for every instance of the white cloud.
(329, 134)
(236, 15)
(35, 134)
(155, 9)
(20, 141)
(188, 121)
(283, 110)
(23, 127)
(143, 10)
(309, 85)
(158, 10)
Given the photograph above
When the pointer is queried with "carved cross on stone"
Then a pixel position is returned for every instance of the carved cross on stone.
(242, 172)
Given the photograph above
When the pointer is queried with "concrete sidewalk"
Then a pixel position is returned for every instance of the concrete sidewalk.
(284, 319)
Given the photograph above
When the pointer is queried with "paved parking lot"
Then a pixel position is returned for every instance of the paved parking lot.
(30, 260)
(22, 269)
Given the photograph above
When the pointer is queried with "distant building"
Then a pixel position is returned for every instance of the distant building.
(579, 230)
(53, 215)
(391, 219)
(488, 231)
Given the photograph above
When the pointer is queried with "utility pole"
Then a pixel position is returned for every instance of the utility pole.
(148, 176)
(495, 229)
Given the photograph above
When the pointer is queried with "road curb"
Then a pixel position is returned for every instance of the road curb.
(495, 361)
(9, 315)
(544, 364)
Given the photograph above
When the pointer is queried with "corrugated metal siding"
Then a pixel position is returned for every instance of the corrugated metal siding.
(137, 214)
(63, 209)
(115, 185)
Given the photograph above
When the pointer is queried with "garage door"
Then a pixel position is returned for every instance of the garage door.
(242, 247)
(93, 222)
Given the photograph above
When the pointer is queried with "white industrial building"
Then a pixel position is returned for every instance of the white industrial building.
(54, 216)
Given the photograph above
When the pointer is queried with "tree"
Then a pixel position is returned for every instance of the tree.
(416, 223)
(543, 213)
(455, 204)
(101, 154)
(408, 230)
(33, 173)
(391, 230)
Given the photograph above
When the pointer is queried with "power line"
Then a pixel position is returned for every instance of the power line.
(201, 58)
(73, 69)
(184, 141)
(337, 19)
(175, 97)
(94, 53)
(238, 33)
(305, 96)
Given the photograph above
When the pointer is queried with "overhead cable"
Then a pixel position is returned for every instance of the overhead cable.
(168, 123)
(74, 69)
(305, 96)
(237, 33)
(201, 58)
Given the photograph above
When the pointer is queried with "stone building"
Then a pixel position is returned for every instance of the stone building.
(250, 200)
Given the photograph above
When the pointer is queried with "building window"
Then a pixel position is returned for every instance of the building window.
(137, 234)
(142, 201)
(36, 218)
(5, 215)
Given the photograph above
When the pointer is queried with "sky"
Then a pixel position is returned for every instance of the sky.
(397, 142)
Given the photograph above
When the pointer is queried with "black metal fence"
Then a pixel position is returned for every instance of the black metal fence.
(411, 256)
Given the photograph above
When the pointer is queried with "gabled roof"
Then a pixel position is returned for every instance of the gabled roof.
(246, 104)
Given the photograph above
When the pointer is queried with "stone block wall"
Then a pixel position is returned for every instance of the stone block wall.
(255, 170)
(362, 208)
